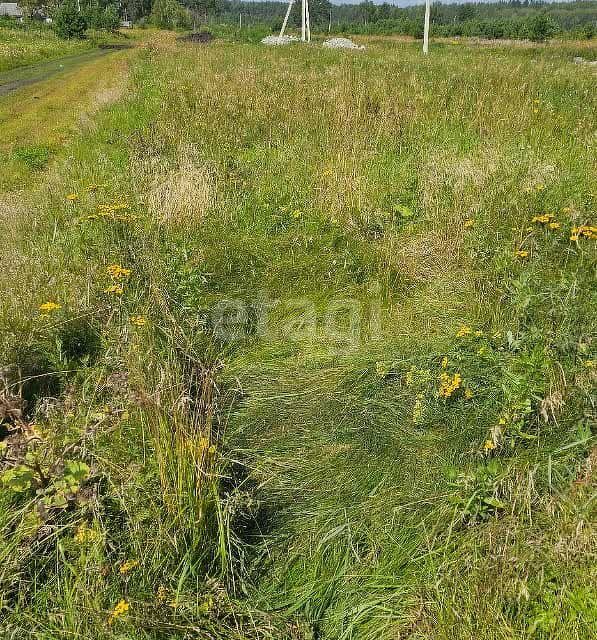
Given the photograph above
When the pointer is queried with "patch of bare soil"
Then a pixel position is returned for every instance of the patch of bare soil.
(201, 37)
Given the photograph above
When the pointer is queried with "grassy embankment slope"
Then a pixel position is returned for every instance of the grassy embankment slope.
(426, 474)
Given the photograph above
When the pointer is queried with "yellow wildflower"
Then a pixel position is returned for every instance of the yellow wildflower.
(48, 307)
(297, 214)
(119, 610)
(449, 384)
(522, 253)
(115, 289)
(567, 210)
(85, 534)
(128, 566)
(586, 231)
(554, 225)
(544, 218)
(468, 393)
(540, 187)
(590, 364)
(72, 197)
(468, 223)
(139, 321)
(489, 445)
(382, 368)
(464, 331)
(117, 272)
(162, 594)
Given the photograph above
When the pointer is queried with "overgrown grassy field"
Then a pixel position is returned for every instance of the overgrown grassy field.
(298, 345)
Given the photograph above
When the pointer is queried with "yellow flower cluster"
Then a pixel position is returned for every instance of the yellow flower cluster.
(464, 330)
(449, 384)
(586, 231)
(204, 445)
(48, 307)
(468, 223)
(544, 218)
(128, 566)
(162, 594)
(119, 610)
(85, 534)
(489, 445)
(114, 289)
(547, 219)
(111, 212)
(138, 321)
(117, 272)
(522, 253)
(72, 197)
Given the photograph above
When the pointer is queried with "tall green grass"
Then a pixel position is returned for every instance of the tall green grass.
(283, 465)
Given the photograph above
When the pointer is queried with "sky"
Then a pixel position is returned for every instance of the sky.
(408, 3)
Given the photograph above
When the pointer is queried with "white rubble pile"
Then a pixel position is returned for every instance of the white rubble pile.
(341, 43)
(580, 60)
(278, 40)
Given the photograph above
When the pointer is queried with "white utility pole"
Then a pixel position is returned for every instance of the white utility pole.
(426, 28)
(305, 20)
(286, 18)
(308, 21)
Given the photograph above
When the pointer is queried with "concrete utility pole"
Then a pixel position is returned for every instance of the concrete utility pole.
(286, 18)
(426, 28)
(305, 20)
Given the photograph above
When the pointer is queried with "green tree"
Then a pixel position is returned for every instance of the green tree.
(68, 22)
(541, 27)
(200, 9)
(103, 18)
(169, 14)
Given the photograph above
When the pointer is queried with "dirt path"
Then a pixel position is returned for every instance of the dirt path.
(53, 103)
(16, 78)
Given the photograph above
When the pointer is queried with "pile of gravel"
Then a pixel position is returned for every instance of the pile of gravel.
(341, 43)
(580, 60)
(278, 40)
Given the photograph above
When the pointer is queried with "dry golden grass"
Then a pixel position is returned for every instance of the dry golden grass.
(183, 194)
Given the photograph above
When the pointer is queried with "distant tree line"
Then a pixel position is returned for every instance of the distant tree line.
(509, 19)
(532, 19)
